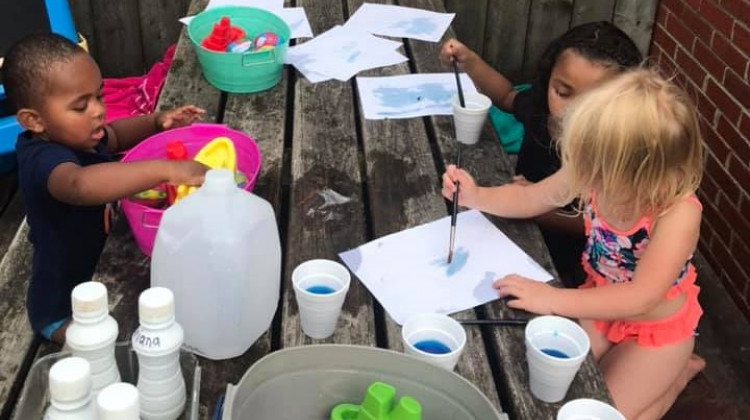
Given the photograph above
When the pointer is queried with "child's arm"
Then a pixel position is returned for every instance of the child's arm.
(558, 220)
(511, 200)
(672, 242)
(487, 79)
(106, 182)
(127, 132)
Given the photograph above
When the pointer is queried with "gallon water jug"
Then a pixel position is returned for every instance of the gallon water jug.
(218, 250)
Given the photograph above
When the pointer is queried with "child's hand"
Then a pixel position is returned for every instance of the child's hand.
(467, 194)
(530, 295)
(186, 172)
(454, 50)
(179, 117)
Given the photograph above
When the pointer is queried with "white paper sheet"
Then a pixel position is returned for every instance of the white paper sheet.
(401, 22)
(295, 17)
(411, 95)
(340, 53)
(408, 274)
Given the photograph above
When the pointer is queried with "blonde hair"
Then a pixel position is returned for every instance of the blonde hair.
(635, 140)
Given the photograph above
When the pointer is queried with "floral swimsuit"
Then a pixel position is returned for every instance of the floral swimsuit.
(611, 255)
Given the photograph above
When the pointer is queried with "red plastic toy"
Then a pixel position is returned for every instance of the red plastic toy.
(175, 151)
(221, 35)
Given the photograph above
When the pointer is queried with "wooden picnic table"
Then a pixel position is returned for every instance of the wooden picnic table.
(314, 138)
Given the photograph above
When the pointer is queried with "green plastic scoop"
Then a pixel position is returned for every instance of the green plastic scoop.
(379, 405)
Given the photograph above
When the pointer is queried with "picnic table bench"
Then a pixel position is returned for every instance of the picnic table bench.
(314, 138)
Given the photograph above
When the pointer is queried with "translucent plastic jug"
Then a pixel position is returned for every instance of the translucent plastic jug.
(218, 250)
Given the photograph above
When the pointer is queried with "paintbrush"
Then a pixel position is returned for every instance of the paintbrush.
(454, 213)
(496, 322)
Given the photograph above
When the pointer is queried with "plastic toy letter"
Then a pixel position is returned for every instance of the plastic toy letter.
(401, 22)
(409, 96)
(408, 273)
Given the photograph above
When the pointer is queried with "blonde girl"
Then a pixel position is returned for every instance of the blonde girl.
(631, 153)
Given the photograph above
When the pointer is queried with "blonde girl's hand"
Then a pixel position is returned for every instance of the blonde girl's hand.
(453, 50)
(186, 172)
(179, 117)
(467, 194)
(529, 295)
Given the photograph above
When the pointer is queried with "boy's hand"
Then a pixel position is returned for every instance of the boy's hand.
(453, 50)
(526, 294)
(468, 193)
(179, 117)
(186, 172)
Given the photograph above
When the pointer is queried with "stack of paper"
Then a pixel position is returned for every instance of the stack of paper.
(342, 52)
(401, 22)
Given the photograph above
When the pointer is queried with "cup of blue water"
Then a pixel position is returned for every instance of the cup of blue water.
(588, 409)
(320, 288)
(555, 349)
(435, 338)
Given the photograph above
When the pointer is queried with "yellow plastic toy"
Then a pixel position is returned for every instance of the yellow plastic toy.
(219, 153)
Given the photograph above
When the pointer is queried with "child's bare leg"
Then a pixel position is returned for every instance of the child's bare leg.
(660, 407)
(58, 337)
(599, 343)
(640, 377)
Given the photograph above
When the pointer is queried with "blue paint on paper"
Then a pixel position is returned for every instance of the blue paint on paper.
(393, 97)
(353, 56)
(460, 257)
(485, 286)
(417, 26)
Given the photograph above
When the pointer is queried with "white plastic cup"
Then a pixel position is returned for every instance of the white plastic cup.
(550, 376)
(588, 409)
(469, 120)
(320, 287)
(420, 332)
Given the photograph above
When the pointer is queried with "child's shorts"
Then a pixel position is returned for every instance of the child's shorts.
(52, 327)
(670, 330)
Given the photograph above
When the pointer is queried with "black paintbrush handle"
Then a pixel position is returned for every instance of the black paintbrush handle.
(458, 83)
(454, 213)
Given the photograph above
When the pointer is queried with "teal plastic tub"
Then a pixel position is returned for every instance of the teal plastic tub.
(240, 72)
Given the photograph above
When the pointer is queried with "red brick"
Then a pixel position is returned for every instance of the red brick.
(663, 40)
(709, 189)
(666, 63)
(741, 172)
(736, 141)
(740, 9)
(741, 37)
(717, 146)
(723, 100)
(661, 15)
(716, 221)
(738, 88)
(698, 25)
(740, 249)
(737, 222)
(729, 53)
(690, 67)
(717, 16)
(744, 124)
(706, 109)
(674, 6)
(735, 274)
(680, 32)
(708, 59)
(693, 4)
(721, 176)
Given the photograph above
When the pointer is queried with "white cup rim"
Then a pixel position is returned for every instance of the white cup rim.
(335, 265)
(572, 324)
(473, 96)
(574, 404)
(461, 342)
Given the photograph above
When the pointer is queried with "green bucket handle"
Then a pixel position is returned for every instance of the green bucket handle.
(248, 56)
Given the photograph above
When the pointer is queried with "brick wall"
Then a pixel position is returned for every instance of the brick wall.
(705, 44)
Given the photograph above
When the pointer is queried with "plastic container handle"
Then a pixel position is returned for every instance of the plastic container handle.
(206, 129)
(228, 401)
(149, 216)
(246, 58)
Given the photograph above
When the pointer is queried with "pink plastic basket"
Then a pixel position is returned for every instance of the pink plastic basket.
(144, 220)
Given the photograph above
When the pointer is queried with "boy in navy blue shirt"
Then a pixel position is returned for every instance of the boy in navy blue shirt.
(65, 168)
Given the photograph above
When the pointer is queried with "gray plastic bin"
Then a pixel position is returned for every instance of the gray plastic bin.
(305, 383)
(35, 395)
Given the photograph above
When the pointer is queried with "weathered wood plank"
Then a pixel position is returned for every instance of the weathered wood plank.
(84, 19)
(505, 37)
(470, 21)
(488, 163)
(16, 337)
(403, 190)
(11, 221)
(325, 161)
(118, 37)
(636, 18)
(585, 11)
(548, 19)
(159, 27)
(185, 83)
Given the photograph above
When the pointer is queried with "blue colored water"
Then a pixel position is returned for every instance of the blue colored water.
(460, 257)
(555, 353)
(416, 26)
(432, 347)
(321, 290)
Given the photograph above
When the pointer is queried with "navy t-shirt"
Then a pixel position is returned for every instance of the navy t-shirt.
(538, 159)
(67, 239)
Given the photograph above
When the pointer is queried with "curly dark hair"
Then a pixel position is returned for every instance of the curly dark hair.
(601, 42)
(29, 63)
